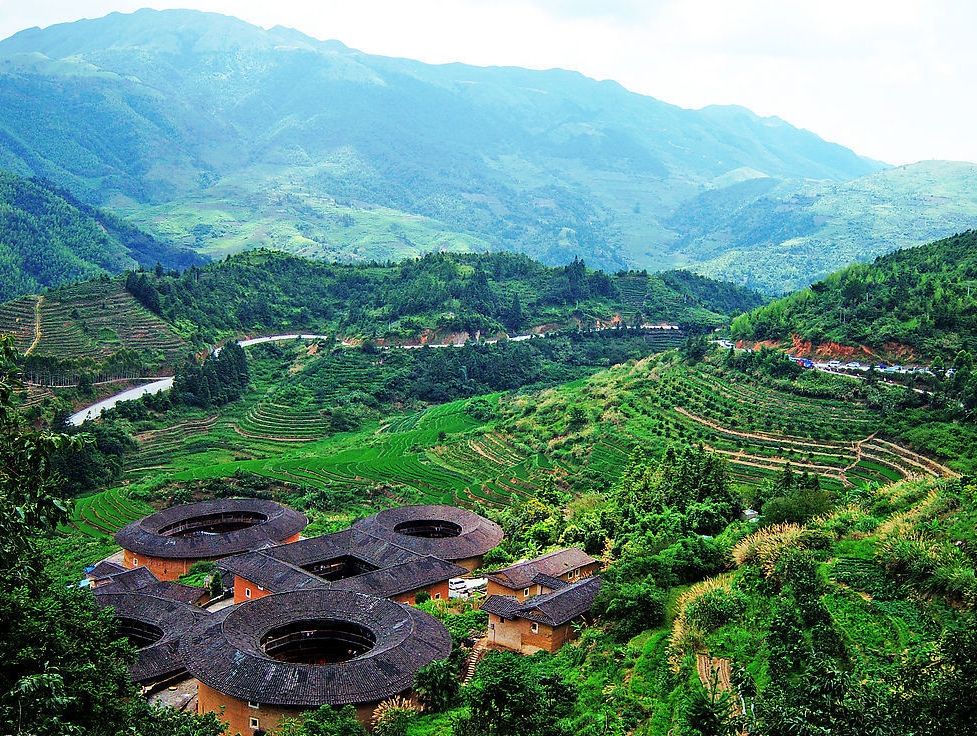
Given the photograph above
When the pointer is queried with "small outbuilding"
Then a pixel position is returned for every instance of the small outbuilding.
(543, 622)
(542, 574)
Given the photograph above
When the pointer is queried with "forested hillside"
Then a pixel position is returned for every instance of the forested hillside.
(434, 295)
(146, 322)
(48, 238)
(222, 136)
(920, 301)
(777, 237)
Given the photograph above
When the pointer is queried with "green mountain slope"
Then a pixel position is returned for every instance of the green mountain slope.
(779, 236)
(923, 299)
(431, 299)
(224, 136)
(48, 238)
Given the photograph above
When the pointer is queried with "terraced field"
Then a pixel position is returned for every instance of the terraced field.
(294, 407)
(444, 454)
(18, 320)
(100, 515)
(91, 320)
(758, 429)
(156, 448)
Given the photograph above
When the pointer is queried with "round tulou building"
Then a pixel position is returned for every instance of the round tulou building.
(154, 626)
(289, 653)
(446, 532)
(168, 542)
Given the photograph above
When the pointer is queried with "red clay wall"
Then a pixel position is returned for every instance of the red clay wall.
(517, 635)
(163, 569)
(241, 586)
(166, 569)
(469, 563)
(438, 591)
(238, 714)
(570, 576)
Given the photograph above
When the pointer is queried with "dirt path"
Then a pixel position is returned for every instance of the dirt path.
(719, 670)
(763, 436)
(917, 459)
(740, 457)
(37, 326)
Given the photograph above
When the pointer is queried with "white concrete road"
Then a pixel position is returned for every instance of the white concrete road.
(95, 410)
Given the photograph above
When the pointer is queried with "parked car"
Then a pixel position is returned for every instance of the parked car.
(465, 587)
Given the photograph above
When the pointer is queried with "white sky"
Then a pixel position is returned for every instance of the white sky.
(892, 79)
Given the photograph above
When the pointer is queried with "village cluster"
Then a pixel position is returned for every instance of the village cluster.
(327, 620)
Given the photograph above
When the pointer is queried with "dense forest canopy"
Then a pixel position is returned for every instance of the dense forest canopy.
(500, 292)
(923, 299)
(49, 238)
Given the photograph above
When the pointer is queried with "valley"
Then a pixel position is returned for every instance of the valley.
(345, 394)
(425, 158)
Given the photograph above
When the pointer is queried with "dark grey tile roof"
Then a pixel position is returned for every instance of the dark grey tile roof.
(372, 549)
(105, 569)
(134, 579)
(145, 536)
(548, 581)
(476, 534)
(141, 580)
(552, 609)
(400, 570)
(417, 572)
(225, 651)
(553, 564)
(162, 658)
(501, 605)
(270, 573)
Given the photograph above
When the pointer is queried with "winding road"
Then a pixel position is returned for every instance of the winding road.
(95, 410)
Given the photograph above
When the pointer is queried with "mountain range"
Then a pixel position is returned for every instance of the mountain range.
(218, 135)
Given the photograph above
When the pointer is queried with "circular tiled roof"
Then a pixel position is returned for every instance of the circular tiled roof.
(457, 533)
(194, 531)
(227, 652)
(170, 620)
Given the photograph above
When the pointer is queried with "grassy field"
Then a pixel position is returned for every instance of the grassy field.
(300, 222)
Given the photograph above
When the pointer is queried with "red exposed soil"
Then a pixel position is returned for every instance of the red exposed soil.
(836, 351)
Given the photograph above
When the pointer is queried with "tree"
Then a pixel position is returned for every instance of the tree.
(507, 697)
(514, 317)
(63, 669)
(330, 721)
(694, 349)
(630, 607)
(437, 685)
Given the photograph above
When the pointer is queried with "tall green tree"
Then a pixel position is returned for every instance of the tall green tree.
(63, 668)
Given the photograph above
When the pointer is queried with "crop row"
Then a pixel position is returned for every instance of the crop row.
(18, 319)
(104, 513)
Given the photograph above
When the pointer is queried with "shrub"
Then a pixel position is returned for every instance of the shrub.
(437, 685)
(630, 607)
(393, 717)
(715, 609)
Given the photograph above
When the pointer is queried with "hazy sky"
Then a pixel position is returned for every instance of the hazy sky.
(893, 79)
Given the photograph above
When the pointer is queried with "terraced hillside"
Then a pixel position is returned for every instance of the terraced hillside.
(585, 431)
(19, 320)
(95, 320)
(655, 402)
